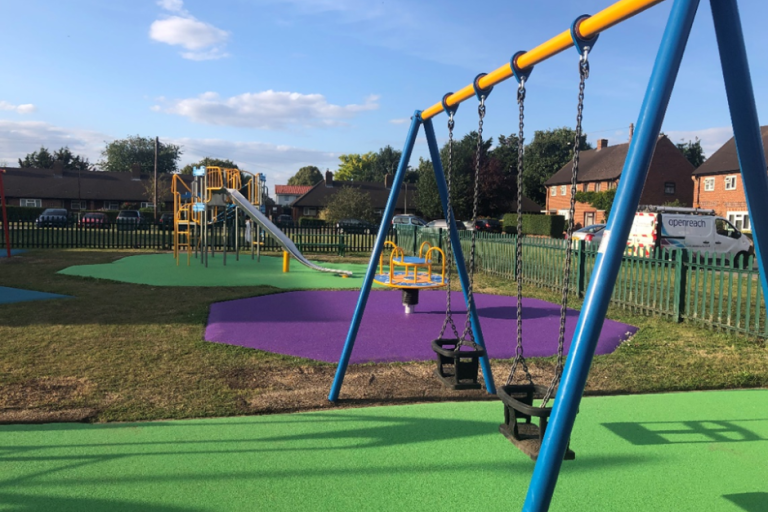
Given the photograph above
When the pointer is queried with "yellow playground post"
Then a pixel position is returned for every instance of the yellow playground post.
(286, 261)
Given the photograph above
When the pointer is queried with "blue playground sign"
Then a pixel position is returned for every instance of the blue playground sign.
(198, 171)
(198, 207)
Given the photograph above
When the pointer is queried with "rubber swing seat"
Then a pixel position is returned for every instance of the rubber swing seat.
(518, 413)
(458, 365)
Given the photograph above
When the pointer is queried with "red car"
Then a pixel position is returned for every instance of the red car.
(94, 220)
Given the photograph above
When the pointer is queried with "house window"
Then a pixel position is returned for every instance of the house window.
(147, 205)
(310, 211)
(562, 190)
(553, 191)
(611, 185)
(709, 184)
(669, 188)
(32, 203)
(78, 205)
(585, 187)
(730, 183)
(597, 187)
(740, 220)
(111, 205)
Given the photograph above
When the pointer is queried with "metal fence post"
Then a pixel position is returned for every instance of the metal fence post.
(582, 258)
(681, 283)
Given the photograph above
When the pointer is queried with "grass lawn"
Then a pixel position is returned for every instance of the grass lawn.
(120, 351)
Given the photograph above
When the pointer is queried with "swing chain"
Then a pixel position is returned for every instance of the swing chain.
(468, 335)
(583, 75)
(519, 357)
(449, 250)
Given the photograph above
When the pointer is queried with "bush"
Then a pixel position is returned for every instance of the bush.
(544, 225)
(311, 222)
(20, 213)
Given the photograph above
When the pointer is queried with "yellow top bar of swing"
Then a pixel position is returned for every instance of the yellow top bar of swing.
(588, 28)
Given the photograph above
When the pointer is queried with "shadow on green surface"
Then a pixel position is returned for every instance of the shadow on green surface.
(684, 432)
(749, 501)
(38, 503)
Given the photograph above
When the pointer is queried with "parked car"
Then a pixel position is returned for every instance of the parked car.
(166, 220)
(593, 233)
(53, 217)
(468, 224)
(129, 220)
(356, 226)
(284, 221)
(94, 220)
(408, 220)
(488, 225)
(442, 224)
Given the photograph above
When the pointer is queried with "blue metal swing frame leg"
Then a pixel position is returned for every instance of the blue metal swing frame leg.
(609, 255)
(746, 127)
(365, 290)
(442, 188)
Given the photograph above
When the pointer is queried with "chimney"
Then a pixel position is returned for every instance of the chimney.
(389, 179)
(631, 131)
(602, 143)
(58, 169)
(135, 172)
(328, 179)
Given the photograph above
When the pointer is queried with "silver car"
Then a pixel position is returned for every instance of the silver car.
(593, 233)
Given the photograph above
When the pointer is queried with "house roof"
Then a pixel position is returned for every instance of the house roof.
(607, 163)
(529, 206)
(726, 159)
(319, 194)
(292, 190)
(31, 183)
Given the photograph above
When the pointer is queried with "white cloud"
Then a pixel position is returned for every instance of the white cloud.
(711, 138)
(202, 40)
(277, 162)
(26, 108)
(400, 120)
(17, 138)
(267, 109)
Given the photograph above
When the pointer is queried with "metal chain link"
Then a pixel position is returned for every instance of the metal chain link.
(448, 248)
(468, 335)
(519, 357)
(583, 74)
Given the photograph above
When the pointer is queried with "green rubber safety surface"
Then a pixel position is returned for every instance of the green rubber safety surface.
(161, 270)
(703, 451)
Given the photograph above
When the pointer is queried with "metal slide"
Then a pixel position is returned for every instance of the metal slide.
(285, 242)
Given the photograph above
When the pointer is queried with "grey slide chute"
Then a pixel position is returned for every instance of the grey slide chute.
(285, 242)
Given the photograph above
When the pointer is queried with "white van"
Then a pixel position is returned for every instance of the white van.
(688, 228)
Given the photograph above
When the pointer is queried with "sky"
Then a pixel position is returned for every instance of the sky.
(275, 85)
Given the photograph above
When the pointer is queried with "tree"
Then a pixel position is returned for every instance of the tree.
(349, 203)
(356, 167)
(208, 162)
(598, 200)
(549, 151)
(427, 198)
(307, 176)
(163, 189)
(121, 154)
(692, 151)
(42, 159)
(387, 160)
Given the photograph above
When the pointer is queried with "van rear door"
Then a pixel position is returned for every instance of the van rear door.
(643, 231)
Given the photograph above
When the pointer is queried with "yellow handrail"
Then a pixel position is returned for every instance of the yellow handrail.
(381, 256)
(429, 261)
(588, 28)
(421, 248)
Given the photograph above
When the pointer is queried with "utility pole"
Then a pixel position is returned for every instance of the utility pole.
(154, 200)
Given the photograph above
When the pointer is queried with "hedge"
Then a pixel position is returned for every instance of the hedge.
(311, 222)
(17, 213)
(544, 225)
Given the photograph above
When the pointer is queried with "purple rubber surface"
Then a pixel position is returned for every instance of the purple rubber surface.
(314, 325)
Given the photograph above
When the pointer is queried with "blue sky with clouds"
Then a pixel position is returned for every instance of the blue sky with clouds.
(278, 84)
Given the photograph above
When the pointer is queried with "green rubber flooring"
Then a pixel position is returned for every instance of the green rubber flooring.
(161, 270)
(674, 452)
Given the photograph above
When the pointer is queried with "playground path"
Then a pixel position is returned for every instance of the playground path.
(314, 325)
(161, 270)
(10, 295)
(702, 451)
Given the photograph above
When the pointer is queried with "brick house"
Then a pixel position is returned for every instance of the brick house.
(669, 179)
(315, 199)
(717, 184)
(81, 190)
(287, 194)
